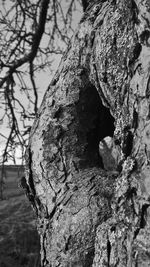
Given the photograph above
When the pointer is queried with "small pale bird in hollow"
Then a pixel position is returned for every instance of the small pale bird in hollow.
(110, 153)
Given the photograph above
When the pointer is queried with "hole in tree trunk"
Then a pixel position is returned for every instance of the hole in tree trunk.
(95, 123)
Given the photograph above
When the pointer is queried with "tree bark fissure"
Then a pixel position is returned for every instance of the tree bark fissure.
(91, 193)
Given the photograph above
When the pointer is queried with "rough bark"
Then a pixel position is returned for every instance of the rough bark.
(88, 214)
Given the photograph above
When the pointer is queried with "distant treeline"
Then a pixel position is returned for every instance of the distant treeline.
(9, 178)
(11, 168)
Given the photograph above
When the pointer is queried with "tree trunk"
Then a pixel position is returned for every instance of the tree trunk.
(91, 193)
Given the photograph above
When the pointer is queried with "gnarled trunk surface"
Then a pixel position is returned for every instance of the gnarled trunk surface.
(92, 201)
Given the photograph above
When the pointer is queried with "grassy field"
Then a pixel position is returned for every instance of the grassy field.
(19, 241)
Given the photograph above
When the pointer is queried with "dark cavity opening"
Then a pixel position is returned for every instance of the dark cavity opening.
(95, 123)
(108, 251)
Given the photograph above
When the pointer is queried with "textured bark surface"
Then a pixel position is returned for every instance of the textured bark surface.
(91, 214)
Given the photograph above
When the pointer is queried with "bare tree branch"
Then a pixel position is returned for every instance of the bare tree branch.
(35, 45)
